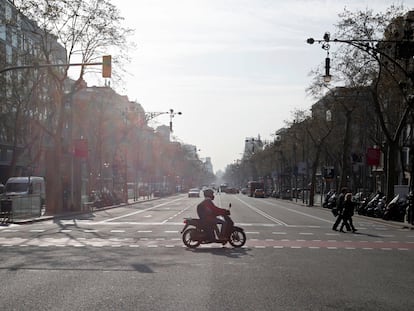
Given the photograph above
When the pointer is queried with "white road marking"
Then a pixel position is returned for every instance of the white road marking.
(297, 212)
(138, 212)
(271, 218)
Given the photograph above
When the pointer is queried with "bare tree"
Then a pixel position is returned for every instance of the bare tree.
(366, 57)
(87, 30)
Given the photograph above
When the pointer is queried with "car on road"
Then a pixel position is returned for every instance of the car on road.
(259, 193)
(194, 193)
(232, 190)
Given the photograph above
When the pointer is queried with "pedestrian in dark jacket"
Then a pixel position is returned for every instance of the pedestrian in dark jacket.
(347, 213)
(340, 207)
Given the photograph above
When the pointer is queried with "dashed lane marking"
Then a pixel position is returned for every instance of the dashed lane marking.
(170, 243)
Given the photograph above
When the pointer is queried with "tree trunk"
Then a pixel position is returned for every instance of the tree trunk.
(392, 154)
(345, 151)
(313, 177)
(54, 193)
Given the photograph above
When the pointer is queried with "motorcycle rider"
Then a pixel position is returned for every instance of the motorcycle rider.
(208, 212)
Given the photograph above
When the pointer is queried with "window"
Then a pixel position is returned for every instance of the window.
(3, 32)
(8, 13)
(9, 54)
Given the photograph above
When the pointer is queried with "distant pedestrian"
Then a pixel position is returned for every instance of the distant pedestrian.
(340, 207)
(347, 213)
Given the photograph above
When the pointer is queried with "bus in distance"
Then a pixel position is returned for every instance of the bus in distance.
(252, 186)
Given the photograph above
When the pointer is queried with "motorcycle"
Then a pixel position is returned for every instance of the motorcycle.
(366, 207)
(330, 199)
(395, 210)
(193, 234)
(376, 207)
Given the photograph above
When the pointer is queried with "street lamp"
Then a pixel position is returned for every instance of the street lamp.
(325, 46)
(151, 115)
(172, 115)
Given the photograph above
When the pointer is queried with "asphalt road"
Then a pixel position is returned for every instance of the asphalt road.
(132, 258)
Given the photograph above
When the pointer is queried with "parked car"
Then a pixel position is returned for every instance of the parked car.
(232, 190)
(25, 186)
(275, 194)
(259, 193)
(194, 193)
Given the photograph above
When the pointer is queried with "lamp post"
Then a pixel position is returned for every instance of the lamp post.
(394, 57)
(151, 115)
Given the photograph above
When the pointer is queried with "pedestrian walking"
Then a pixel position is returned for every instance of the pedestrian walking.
(347, 213)
(340, 207)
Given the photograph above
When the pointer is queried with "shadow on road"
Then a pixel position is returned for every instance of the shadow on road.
(368, 234)
(222, 251)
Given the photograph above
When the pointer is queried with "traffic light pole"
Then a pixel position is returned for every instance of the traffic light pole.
(47, 65)
(106, 66)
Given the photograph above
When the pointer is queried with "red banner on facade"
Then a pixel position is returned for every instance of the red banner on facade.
(373, 156)
(81, 148)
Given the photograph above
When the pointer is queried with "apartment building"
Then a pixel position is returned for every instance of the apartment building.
(24, 91)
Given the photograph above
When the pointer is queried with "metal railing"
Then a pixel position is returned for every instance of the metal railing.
(25, 206)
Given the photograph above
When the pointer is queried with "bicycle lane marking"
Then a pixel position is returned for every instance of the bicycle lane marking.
(138, 212)
(271, 218)
(297, 212)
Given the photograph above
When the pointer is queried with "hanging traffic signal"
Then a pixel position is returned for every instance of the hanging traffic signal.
(106, 66)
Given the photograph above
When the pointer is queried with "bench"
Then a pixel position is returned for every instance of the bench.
(6, 211)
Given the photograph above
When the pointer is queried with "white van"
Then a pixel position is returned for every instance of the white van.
(21, 186)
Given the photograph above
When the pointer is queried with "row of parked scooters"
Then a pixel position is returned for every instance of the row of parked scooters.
(375, 205)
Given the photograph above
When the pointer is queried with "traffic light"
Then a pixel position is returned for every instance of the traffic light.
(106, 66)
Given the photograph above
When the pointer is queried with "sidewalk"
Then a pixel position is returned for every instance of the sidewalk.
(69, 214)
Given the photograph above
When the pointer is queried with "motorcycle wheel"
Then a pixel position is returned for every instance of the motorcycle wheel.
(188, 240)
(237, 238)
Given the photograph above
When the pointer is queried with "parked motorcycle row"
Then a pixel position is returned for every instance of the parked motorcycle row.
(375, 205)
(104, 198)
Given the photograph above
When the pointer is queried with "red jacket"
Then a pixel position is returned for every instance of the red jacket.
(206, 210)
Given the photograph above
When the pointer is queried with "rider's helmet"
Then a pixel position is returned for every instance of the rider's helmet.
(209, 193)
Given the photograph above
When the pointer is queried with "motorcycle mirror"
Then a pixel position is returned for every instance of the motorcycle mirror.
(229, 205)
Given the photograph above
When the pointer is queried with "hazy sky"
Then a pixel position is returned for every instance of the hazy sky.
(234, 68)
